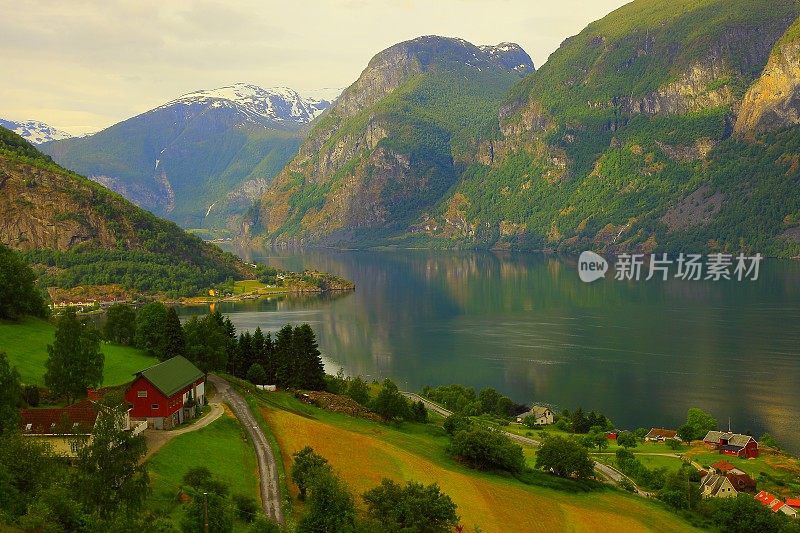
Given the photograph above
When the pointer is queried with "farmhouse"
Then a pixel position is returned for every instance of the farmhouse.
(717, 486)
(543, 415)
(66, 429)
(739, 479)
(774, 504)
(167, 394)
(734, 444)
(661, 435)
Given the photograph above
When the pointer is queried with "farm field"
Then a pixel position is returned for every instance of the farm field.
(221, 447)
(363, 452)
(26, 345)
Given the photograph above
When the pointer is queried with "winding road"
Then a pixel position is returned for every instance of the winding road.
(268, 469)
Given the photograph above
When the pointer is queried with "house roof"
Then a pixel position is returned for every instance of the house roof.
(536, 411)
(714, 482)
(734, 439)
(740, 480)
(660, 433)
(171, 375)
(75, 419)
(793, 502)
(765, 498)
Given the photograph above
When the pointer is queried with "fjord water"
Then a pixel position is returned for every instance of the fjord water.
(641, 352)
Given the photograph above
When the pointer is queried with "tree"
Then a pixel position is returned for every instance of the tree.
(626, 439)
(390, 404)
(120, 325)
(109, 474)
(330, 508)
(256, 374)
(74, 361)
(678, 491)
(596, 438)
(673, 444)
(414, 508)
(151, 330)
(174, 341)
(358, 390)
(201, 479)
(485, 449)
(283, 357)
(307, 465)
(246, 507)
(698, 423)
(768, 441)
(455, 423)
(564, 457)
(9, 395)
(418, 412)
(18, 293)
(311, 370)
(743, 514)
(207, 342)
(220, 519)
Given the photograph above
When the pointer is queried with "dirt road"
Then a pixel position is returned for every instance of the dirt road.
(268, 469)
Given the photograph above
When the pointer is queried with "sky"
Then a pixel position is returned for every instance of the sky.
(81, 66)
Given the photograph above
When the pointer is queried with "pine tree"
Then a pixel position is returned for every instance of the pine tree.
(244, 355)
(174, 341)
(268, 359)
(311, 371)
(283, 357)
(74, 360)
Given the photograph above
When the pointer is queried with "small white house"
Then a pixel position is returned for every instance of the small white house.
(543, 415)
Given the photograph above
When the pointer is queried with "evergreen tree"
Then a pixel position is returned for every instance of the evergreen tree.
(283, 357)
(311, 371)
(18, 293)
(259, 346)
(151, 329)
(244, 354)
(268, 359)
(256, 374)
(207, 342)
(74, 361)
(9, 395)
(120, 325)
(174, 342)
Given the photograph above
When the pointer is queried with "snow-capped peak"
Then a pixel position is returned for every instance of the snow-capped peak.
(280, 104)
(35, 132)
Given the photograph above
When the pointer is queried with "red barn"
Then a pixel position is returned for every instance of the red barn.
(167, 394)
(735, 444)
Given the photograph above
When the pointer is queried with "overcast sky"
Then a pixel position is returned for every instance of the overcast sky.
(81, 65)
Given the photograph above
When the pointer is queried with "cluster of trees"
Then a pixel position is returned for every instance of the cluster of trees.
(211, 498)
(74, 360)
(389, 403)
(564, 457)
(698, 423)
(390, 507)
(104, 490)
(291, 360)
(578, 421)
(463, 400)
(19, 295)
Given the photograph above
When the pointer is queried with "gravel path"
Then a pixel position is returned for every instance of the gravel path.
(268, 469)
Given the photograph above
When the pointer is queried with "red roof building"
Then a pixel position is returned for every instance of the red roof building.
(793, 502)
(774, 504)
(167, 394)
(735, 444)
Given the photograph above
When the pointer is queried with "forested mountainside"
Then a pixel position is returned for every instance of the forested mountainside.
(392, 144)
(80, 233)
(666, 125)
(200, 159)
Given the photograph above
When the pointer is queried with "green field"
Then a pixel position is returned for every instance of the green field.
(363, 452)
(26, 345)
(222, 447)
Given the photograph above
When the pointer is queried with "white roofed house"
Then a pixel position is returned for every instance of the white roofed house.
(717, 486)
(543, 415)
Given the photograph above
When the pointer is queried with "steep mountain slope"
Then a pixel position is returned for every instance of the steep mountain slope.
(33, 131)
(198, 158)
(82, 233)
(622, 140)
(392, 144)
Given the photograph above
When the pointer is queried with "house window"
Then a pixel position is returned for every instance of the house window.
(142, 394)
(154, 406)
(28, 427)
(74, 446)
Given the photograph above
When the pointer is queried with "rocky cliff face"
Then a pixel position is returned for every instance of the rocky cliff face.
(773, 102)
(378, 155)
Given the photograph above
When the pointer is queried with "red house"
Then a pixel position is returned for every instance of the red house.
(167, 394)
(735, 444)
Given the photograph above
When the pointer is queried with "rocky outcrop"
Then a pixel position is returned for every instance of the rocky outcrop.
(773, 101)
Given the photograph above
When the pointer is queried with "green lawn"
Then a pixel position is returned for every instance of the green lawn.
(26, 345)
(222, 447)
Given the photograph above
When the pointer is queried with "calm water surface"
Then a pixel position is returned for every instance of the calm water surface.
(641, 352)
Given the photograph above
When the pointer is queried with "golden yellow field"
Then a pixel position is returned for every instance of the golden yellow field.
(491, 502)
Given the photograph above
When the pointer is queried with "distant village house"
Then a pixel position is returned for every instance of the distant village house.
(167, 394)
(542, 415)
(725, 480)
(774, 504)
(734, 444)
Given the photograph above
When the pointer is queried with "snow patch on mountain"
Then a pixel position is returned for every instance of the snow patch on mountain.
(279, 104)
(35, 132)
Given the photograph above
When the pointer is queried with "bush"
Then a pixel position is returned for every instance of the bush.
(256, 374)
(484, 449)
(565, 458)
(200, 478)
(246, 507)
(455, 423)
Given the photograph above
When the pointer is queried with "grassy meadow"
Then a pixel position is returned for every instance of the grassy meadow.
(363, 452)
(26, 345)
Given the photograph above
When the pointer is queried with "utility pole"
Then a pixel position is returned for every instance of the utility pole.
(205, 512)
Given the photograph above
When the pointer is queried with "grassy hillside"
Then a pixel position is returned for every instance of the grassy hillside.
(222, 447)
(84, 234)
(26, 346)
(363, 452)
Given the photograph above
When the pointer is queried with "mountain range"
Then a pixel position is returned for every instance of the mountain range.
(664, 126)
(34, 132)
(199, 158)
